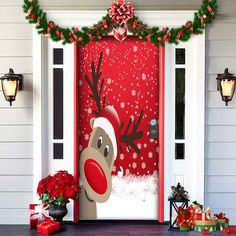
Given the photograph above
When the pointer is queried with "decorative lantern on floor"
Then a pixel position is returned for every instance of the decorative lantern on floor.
(11, 83)
(178, 199)
(226, 85)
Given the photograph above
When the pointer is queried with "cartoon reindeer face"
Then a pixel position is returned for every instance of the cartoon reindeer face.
(97, 159)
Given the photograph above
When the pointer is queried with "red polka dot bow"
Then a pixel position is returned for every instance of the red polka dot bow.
(121, 12)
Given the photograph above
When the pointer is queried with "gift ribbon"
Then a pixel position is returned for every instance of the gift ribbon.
(120, 33)
(210, 10)
(121, 12)
(40, 212)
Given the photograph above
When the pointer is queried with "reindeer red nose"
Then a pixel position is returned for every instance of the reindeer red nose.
(95, 176)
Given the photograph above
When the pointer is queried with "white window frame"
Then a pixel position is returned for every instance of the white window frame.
(88, 18)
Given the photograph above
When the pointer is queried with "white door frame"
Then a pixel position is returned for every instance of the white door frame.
(88, 18)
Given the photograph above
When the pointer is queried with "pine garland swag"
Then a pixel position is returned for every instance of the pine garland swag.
(204, 16)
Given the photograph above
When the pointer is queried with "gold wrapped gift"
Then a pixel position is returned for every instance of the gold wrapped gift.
(206, 222)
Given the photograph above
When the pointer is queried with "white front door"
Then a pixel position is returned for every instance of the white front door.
(184, 117)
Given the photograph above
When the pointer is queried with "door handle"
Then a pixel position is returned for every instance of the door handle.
(153, 128)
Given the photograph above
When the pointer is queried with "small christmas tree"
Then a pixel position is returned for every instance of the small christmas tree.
(178, 193)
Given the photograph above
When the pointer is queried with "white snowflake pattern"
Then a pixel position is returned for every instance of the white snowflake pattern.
(150, 155)
(80, 147)
(122, 105)
(109, 81)
(107, 51)
(89, 111)
(127, 172)
(122, 157)
(133, 92)
(145, 145)
(86, 136)
(135, 155)
(134, 165)
(80, 82)
(151, 140)
(143, 165)
(139, 145)
(135, 48)
(144, 76)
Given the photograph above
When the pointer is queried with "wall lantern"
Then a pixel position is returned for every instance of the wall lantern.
(11, 83)
(226, 85)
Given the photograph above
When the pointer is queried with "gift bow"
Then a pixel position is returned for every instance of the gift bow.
(40, 212)
(220, 216)
(121, 12)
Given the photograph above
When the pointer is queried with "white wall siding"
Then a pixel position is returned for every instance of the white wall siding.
(16, 142)
(16, 122)
(220, 153)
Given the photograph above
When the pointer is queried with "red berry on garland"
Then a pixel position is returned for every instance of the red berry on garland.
(135, 24)
(33, 16)
(76, 30)
(80, 39)
(105, 24)
(72, 39)
(164, 30)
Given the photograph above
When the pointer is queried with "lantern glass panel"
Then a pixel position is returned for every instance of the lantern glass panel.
(227, 87)
(10, 87)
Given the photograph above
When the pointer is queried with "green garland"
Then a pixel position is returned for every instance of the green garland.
(202, 17)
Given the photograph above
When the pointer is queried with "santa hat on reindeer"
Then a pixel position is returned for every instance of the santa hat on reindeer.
(109, 121)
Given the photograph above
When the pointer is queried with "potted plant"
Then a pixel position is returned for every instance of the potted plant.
(56, 190)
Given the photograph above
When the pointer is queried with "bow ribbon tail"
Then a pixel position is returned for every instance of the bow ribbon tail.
(120, 33)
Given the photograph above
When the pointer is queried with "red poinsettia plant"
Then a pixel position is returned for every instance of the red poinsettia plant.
(58, 188)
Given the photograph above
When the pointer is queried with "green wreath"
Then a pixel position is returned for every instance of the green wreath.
(202, 17)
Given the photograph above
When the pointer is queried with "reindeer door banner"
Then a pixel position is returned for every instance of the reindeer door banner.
(118, 139)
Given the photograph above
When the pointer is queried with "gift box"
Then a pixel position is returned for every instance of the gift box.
(202, 215)
(183, 215)
(211, 225)
(38, 213)
(223, 221)
(48, 227)
(185, 226)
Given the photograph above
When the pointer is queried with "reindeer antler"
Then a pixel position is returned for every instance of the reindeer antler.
(129, 139)
(96, 92)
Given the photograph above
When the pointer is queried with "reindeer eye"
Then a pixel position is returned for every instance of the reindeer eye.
(106, 151)
(99, 144)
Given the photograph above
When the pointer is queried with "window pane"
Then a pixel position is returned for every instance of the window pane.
(179, 151)
(58, 151)
(58, 56)
(180, 56)
(180, 103)
(58, 103)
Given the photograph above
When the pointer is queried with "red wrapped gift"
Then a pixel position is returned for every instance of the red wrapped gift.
(38, 213)
(183, 215)
(48, 227)
(202, 215)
